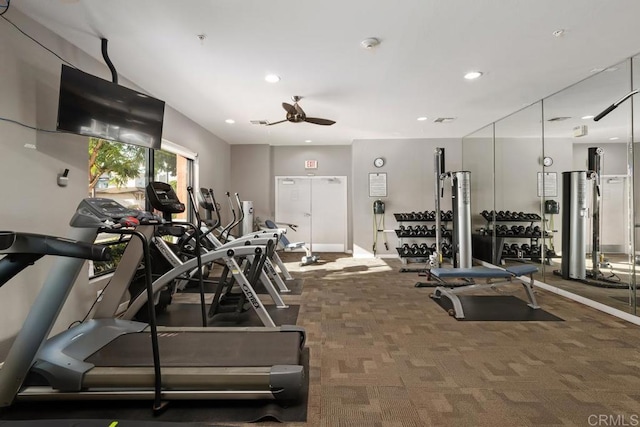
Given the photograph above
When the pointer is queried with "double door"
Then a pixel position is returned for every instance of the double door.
(318, 206)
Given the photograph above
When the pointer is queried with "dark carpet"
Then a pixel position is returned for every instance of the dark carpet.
(209, 288)
(190, 315)
(506, 308)
(295, 286)
(100, 423)
(624, 299)
(183, 411)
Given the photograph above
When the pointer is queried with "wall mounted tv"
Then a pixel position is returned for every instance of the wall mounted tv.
(95, 107)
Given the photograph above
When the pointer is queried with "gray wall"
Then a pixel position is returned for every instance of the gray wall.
(410, 181)
(254, 168)
(251, 177)
(32, 201)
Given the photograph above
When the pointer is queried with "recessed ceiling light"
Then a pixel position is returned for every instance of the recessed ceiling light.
(422, 119)
(558, 33)
(587, 117)
(614, 138)
(230, 121)
(272, 78)
(307, 140)
(472, 75)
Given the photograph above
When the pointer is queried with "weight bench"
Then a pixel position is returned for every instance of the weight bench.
(493, 277)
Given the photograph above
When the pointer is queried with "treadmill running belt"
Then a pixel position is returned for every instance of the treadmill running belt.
(201, 349)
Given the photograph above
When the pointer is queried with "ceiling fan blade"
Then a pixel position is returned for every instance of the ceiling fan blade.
(317, 121)
(299, 109)
(275, 123)
(289, 108)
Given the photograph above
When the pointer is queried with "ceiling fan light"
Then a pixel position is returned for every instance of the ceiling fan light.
(472, 75)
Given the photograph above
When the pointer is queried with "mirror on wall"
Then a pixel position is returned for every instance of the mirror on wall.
(519, 223)
(478, 158)
(634, 165)
(588, 160)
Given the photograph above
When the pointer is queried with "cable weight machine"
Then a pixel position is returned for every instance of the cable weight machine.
(576, 186)
(461, 256)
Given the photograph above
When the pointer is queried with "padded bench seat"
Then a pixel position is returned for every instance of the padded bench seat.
(512, 272)
(484, 272)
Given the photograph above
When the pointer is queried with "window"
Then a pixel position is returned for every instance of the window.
(119, 172)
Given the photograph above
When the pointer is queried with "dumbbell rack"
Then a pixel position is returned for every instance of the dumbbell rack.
(531, 251)
(415, 252)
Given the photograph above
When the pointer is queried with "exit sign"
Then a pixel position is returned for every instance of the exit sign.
(311, 164)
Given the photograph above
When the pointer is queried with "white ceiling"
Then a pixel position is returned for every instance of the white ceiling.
(427, 46)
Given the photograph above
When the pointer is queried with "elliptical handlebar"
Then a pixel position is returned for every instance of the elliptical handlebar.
(227, 229)
(240, 209)
(216, 208)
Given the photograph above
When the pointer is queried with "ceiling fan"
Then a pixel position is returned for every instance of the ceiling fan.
(296, 114)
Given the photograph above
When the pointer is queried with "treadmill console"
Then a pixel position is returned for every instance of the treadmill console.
(163, 198)
(107, 209)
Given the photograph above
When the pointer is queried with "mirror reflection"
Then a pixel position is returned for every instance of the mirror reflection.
(519, 225)
(590, 160)
(478, 158)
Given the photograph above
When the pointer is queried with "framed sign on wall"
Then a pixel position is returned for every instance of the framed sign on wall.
(378, 184)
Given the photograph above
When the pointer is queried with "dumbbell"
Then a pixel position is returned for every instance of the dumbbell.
(535, 251)
(551, 252)
(406, 250)
(526, 249)
(424, 249)
(415, 249)
(485, 214)
(513, 250)
(537, 231)
(505, 249)
(446, 250)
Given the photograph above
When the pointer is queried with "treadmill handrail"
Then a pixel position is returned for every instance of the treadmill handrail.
(12, 242)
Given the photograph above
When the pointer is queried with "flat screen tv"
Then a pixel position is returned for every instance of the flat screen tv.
(91, 106)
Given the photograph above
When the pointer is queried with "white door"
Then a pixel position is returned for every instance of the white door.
(614, 236)
(293, 206)
(318, 206)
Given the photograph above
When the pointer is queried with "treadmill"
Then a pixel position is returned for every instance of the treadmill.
(112, 359)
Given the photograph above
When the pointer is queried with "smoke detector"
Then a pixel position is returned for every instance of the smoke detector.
(370, 43)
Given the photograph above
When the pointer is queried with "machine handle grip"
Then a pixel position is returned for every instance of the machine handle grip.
(609, 109)
(40, 244)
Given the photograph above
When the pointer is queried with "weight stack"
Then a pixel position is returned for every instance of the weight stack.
(462, 217)
(246, 226)
(574, 225)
